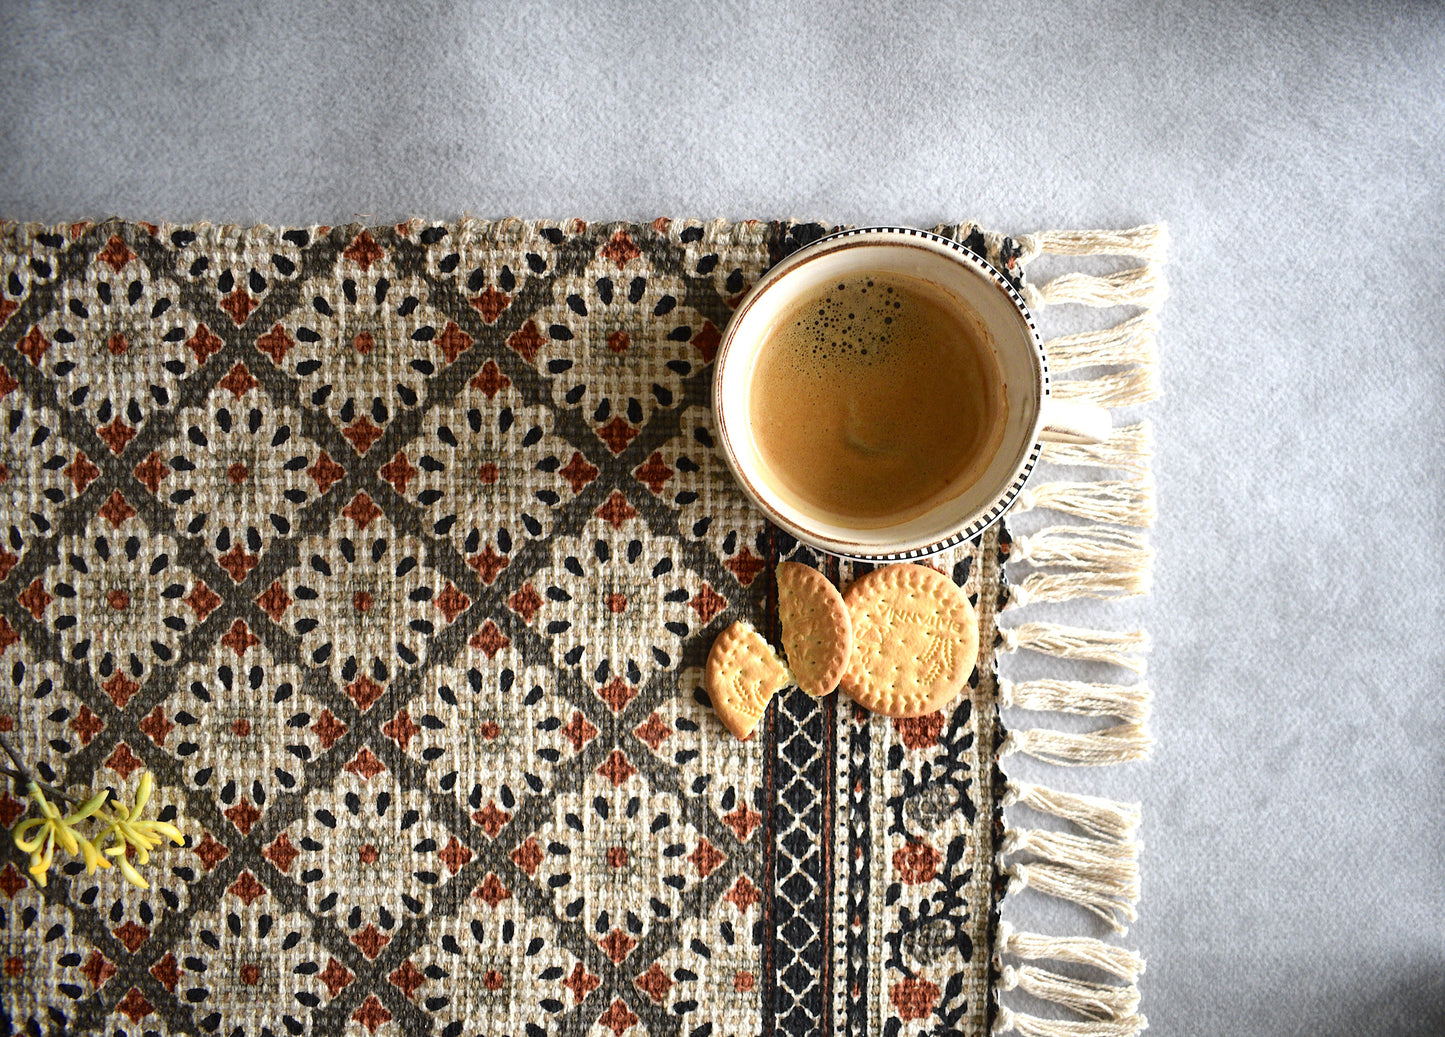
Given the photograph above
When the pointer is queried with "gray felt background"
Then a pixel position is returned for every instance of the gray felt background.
(1294, 828)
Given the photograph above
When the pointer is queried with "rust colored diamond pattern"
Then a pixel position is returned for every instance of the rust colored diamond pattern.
(395, 554)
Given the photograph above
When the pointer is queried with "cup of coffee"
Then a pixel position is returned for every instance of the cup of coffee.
(882, 394)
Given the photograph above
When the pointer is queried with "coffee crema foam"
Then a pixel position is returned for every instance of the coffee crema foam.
(873, 399)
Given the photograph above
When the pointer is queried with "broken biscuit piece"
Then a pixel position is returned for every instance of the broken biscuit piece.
(743, 673)
(915, 640)
(817, 633)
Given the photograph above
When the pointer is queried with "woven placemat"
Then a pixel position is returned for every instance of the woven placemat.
(394, 554)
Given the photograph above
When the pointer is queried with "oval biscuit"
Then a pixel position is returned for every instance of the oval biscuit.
(915, 640)
(817, 633)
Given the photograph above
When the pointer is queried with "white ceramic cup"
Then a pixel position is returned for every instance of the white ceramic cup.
(1004, 321)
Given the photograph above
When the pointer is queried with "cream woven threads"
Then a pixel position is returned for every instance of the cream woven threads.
(1038, 587)
(1075, 950)
(1110, 895)
(1130, 448)
(1104, 819)
(1083, 698)
(1099, 1000)
(1138, 286)
(1118, 744)
(1102, 562)
(1149, 242)
(1131, 342)
(1107, 1007)
(1119, 389)
(1008, 1021)
(1103, 557)
(1120, 647)
(1085, 547)
(1082, 853)
(1126, 502)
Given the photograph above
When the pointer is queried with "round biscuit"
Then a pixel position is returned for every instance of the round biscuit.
(742, 675)
(915, 640)
(817, 633)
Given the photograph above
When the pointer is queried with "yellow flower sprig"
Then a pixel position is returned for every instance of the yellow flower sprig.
(126, 830)
(124, 827)
(52, 829)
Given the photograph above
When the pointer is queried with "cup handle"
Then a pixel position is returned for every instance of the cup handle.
(1069, 421)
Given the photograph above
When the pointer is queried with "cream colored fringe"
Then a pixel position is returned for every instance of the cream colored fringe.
(1105, 563)
(1139, 286)
(1149, 242)
(1072, 950)
(1099, 1000)
(1111, 895)
(1085, 547)
(1033, 1026)
(1128, 502)
(1130, 448)
(1102, 818)
(1111, 860)
(1104, 646)
(1067, 586)
(1100, 876)
(1094, 749)
(1125, 701)
(1132, 342)
(1105, 557)
(1120, 389)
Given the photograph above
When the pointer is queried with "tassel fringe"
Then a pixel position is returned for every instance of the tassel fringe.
(1102, 818)
(1069, 749)
(1111, 897)
(1149, 242)
(1101, 552)
(1124, 503)
(1008, 1021)
(1114, 861)
(1096, 1000)
(1119, 389)
(1085, 547)
(1130, 448)
(1140, 286)
(1073, 950)
(1105, 563)
(1130, 342)
(1126, 701)
(1038, 587)
(1104, 646)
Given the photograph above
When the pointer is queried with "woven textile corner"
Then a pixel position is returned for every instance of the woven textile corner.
(394, 553)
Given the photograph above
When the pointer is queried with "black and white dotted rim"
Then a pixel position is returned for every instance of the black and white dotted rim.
(1007, 498)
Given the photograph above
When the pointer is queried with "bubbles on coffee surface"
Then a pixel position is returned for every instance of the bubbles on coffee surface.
(871, 395)
(853, 320)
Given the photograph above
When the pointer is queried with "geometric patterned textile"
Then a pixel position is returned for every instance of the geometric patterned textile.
(395, 553)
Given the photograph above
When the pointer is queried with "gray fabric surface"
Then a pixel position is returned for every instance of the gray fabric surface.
(1293, 866)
